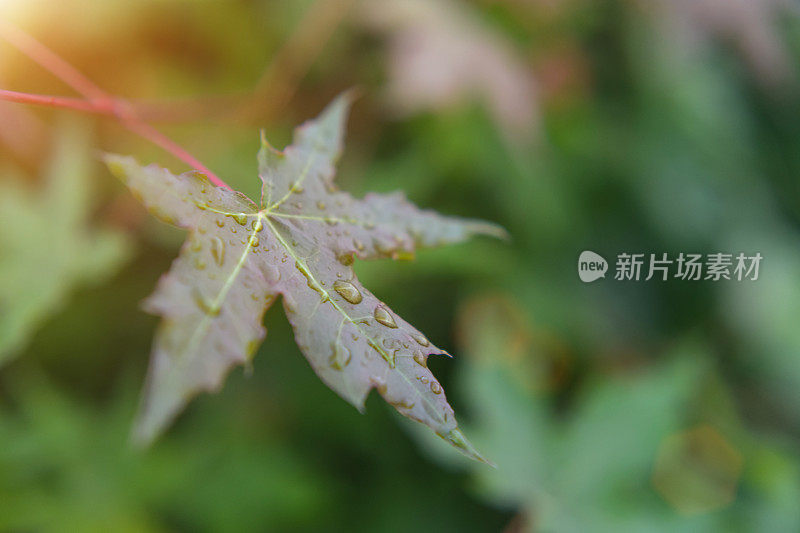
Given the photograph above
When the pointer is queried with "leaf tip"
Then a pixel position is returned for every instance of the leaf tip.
(141, 437)
(265, 144)
(116, 164)
(351, 95)
(457, 439)
(338, 110)
(492, 230)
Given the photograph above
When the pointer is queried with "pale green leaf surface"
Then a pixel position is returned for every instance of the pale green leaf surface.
(46, 246)
(299, 243)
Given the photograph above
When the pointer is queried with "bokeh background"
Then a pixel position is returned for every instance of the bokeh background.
(642, 126)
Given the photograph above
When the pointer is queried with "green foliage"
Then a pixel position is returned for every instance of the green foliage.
(600, 464)
(79, 474)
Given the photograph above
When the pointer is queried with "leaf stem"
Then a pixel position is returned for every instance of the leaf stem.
(77, 104)
(95, 100)
(279, 81)
(48, 59)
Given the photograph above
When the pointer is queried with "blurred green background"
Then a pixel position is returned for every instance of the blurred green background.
(639, 126)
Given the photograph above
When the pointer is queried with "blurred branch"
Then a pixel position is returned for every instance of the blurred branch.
(76, 104)
(274, 89)
(277, 83)
(50, 61)
(96, 100)
(191, 108)
(279, 80)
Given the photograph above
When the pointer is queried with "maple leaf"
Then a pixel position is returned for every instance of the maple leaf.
(300, 243)
(46, 248)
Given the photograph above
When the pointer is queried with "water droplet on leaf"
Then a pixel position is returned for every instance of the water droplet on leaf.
(383, 316)
(340, 356)
(218, 250)
(348, 291)
(421, 340)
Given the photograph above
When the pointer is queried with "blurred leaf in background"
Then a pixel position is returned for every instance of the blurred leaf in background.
(440, 54)
(617, 456)
(47, 246)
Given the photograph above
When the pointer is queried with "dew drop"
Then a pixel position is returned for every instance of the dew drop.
(273, 275)
(383, 353)
(383, 316)
(421, 340)
(254, 241)
(435, 387)
(393, 343)
(340, 356)
(310, 281)
(345, 259)
(348, 291)
(402, 404)
(218, 250)
(240, 218)
(321, 205)
(297, 188)
(380, 385)
(421, 359)
(196, 245)
(258, 225)
(359, 245)
(220, 223)
(199, 264)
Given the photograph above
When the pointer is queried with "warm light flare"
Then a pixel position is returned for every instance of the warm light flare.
(11, 10)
